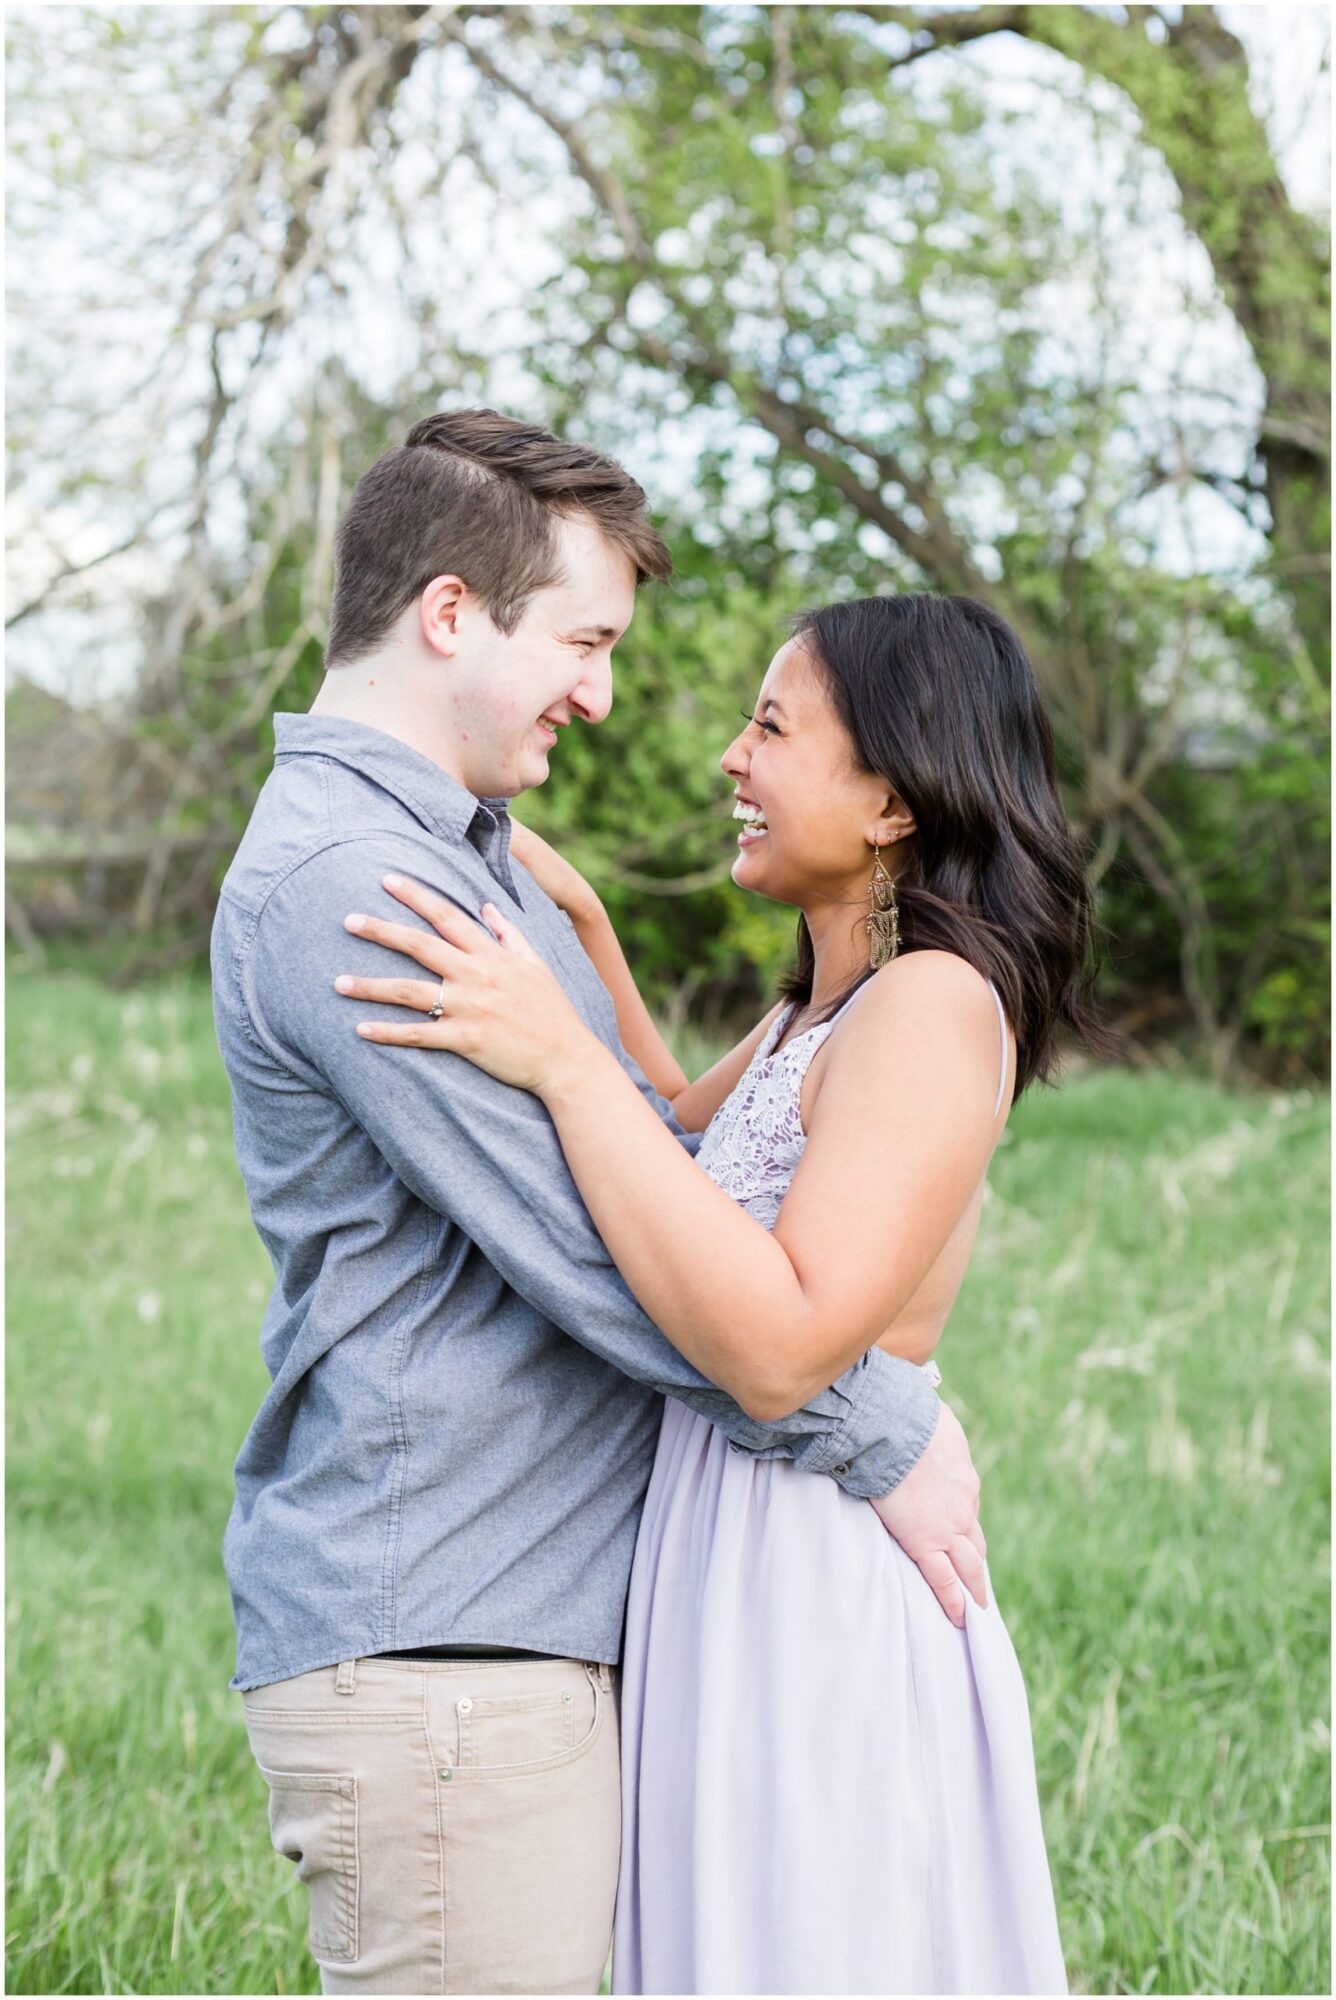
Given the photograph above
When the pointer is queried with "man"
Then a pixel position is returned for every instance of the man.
(437, 1503)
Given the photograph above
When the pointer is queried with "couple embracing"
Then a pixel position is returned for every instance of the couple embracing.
(602, 1542)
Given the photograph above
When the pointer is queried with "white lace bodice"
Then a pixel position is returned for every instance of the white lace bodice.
(752, 1145)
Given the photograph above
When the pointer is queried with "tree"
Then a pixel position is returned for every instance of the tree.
(1188, 77)
(902, 348)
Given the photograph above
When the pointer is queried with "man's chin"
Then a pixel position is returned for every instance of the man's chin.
(531, 768)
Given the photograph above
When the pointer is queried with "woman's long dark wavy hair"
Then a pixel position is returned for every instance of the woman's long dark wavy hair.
(938, 697)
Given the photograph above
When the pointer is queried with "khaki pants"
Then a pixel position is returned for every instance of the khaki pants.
(456, 1822)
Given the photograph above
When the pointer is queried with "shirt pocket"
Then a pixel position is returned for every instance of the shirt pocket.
(313, 1823)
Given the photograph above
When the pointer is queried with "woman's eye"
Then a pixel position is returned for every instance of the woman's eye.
(772, 728)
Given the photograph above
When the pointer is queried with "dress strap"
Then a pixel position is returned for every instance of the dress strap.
(1002, 1024)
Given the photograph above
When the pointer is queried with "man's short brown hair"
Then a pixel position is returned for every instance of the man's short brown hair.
(476, 495)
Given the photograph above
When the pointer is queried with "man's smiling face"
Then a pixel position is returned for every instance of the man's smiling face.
(508, 695)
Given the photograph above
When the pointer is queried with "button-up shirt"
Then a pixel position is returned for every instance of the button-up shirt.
(465, 1396)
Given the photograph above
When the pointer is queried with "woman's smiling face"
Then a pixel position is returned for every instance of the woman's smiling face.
(819, 812)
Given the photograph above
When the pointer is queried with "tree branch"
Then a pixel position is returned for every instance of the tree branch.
(66, 571)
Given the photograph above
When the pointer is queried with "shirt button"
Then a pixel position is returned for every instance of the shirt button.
(840, 1470)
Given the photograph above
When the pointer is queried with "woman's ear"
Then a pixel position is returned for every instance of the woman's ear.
(893, 822)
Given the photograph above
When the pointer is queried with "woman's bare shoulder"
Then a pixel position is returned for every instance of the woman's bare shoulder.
(923, 984)
(931, 1006)
(933, 1001)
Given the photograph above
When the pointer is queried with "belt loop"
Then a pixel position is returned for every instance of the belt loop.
(345, 1681)
(604, 1672)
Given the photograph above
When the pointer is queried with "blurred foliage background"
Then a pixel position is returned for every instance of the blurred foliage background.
(1009, 300)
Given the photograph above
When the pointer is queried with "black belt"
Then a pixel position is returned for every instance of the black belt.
(465, 1653)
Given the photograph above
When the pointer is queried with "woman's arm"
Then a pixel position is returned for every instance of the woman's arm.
(694, 1104)
(635, 1025)
(570, 891)
(901, 1132)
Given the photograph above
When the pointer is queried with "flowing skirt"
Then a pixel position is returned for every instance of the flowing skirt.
(826, 1788)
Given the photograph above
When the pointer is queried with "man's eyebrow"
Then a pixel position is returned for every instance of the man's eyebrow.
(594, 632)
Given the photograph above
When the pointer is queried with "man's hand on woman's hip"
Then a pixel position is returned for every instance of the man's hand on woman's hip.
(934, 1515)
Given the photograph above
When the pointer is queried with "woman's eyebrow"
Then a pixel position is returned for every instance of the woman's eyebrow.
(777, 706)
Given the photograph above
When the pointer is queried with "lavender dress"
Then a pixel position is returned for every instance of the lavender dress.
(826, 1787)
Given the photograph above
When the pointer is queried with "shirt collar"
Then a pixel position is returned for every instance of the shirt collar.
(430, 794)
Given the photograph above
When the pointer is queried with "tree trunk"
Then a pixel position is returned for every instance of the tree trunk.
(1271, 260)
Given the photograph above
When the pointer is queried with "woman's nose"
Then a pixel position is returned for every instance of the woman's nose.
(735, 761)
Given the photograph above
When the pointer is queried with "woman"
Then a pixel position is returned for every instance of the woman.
(827, 1786)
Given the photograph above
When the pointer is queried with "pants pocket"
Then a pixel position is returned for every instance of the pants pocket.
(531, 1854)
(313, 1822)
(522, 1735)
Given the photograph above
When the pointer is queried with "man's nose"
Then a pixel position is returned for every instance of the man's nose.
(592, 694)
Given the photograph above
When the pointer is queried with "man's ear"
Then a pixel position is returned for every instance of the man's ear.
(438, 610)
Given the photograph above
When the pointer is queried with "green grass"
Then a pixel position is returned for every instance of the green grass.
(1139, 1356)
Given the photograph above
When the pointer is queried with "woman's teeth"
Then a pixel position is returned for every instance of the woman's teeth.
(754, 827)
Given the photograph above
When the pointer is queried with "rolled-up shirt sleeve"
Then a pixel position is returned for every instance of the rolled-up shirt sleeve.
(487, 1157)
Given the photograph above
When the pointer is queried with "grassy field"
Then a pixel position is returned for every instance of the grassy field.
(1139, 1357)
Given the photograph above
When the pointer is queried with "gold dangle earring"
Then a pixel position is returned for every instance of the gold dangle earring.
(883, 924)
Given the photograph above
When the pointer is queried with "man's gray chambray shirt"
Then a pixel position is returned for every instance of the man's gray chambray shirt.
(465, 1396)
